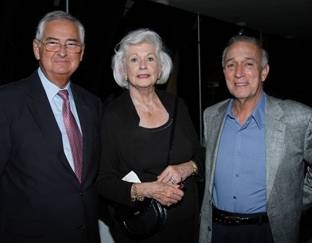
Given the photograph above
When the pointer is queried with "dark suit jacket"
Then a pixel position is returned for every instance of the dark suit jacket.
(41, 199)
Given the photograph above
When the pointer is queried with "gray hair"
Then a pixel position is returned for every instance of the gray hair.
(137, 37)
(59, 15)
(248, 39)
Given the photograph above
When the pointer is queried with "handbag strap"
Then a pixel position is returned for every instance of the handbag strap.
(174, 115)
(171, 132)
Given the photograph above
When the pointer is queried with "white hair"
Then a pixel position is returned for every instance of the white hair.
(248, 39)
(137, 37)
(59, 15)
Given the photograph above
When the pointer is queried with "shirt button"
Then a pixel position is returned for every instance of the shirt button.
(234, 197)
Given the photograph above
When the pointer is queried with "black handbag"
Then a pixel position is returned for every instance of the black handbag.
(147, 217)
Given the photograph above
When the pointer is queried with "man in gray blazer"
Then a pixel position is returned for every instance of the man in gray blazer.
(256, 148)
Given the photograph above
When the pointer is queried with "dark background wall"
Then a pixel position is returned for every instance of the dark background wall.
(290, 59)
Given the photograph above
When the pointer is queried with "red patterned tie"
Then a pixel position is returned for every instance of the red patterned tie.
(73, 134)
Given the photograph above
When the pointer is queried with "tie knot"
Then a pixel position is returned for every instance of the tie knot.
(63, 94)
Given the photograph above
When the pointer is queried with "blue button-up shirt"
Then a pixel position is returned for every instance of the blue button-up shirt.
(56, 103)
(240, 176)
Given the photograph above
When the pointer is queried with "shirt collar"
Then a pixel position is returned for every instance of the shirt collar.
(258, 114)
(50, 88)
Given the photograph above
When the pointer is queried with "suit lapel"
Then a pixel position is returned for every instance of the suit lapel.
(274, 139)
(42, 113)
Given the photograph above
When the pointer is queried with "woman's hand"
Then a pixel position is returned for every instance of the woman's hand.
(164, 193)
(175, 174)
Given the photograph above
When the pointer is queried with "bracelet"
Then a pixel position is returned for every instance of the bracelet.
(195, 168)
(134, 194)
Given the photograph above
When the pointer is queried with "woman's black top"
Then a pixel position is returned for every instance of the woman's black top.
(128, 147)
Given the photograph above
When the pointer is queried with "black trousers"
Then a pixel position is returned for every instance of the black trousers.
(248, 233)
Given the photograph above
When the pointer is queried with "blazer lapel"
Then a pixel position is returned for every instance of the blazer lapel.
(42, 113)
(217, 124)
(274, 139)
(41, 110)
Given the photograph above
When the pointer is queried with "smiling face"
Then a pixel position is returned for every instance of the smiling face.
(142, 65)
(58, 65)
(243, 71)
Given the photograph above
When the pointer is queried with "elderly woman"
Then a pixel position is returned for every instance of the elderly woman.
(136, 137)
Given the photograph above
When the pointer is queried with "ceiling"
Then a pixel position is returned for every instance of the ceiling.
(287, 18)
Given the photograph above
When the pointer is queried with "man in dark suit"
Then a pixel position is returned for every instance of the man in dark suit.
(49, 144)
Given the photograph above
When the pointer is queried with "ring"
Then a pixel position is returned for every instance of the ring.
(173, 181)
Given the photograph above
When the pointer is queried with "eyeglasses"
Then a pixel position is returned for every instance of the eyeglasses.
(54, 45)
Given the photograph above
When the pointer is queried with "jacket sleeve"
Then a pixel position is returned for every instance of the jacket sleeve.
(5, 141)
(198, 150)
(109, 183)
(307, 187)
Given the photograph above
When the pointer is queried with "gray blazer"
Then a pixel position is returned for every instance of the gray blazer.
(288, 139)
